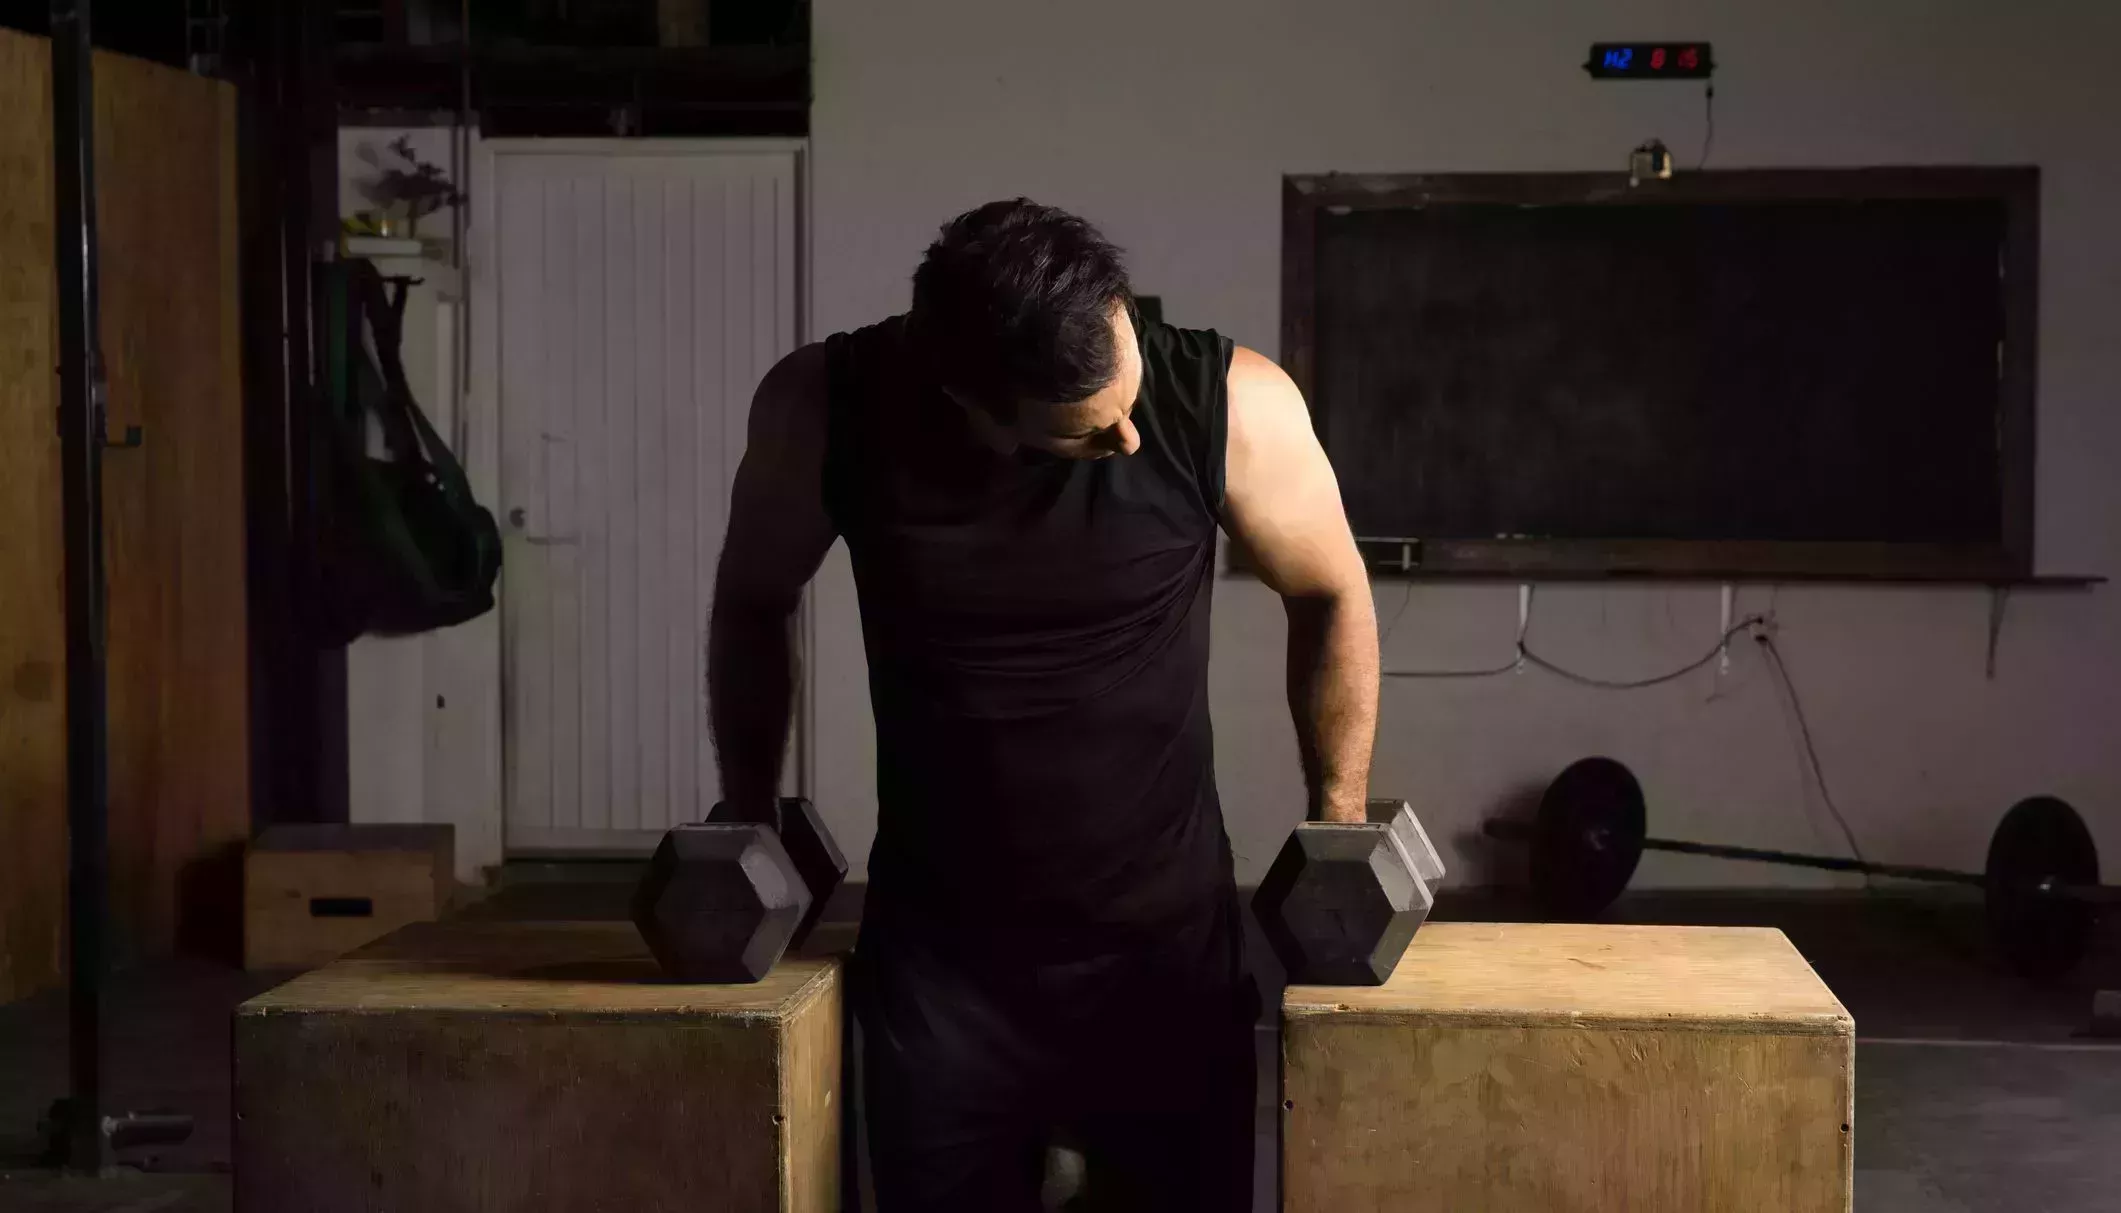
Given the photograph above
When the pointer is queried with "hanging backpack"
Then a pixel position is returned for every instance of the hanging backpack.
(404, 546)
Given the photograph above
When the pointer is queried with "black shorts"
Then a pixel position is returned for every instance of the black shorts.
(973, 1062)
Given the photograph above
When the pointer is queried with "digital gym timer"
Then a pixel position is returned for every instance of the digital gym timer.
(1649, 61)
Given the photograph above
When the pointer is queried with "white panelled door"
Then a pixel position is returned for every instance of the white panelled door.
(642, 294)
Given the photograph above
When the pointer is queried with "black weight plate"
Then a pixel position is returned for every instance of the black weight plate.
(2040, 850)
(1588, 838)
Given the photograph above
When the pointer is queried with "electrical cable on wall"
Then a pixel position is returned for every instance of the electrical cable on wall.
(1708, 133)
(1636, 684)
(1486, 673)
(1404, 599)
(1525, 655)
(1811, 751)
(1758, 625)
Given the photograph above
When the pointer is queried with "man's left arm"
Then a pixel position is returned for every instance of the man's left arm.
(1281, 501)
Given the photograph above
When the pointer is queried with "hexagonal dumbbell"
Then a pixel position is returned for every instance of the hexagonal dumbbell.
(817, 857)
(724, 898)
(1343, 899)
(719, 903)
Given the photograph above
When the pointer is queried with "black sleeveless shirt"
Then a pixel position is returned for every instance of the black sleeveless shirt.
(1037, 635)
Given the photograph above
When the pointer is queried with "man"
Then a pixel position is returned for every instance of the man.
(1030, 481)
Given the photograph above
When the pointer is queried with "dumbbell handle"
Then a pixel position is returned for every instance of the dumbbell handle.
(1518, 831)
(749, 812)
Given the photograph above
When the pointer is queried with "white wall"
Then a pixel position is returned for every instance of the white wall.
(1172, 123)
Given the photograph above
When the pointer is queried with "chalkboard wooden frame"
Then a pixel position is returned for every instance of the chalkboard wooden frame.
(1306, 198)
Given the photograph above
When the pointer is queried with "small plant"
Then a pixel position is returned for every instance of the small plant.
(408, 185)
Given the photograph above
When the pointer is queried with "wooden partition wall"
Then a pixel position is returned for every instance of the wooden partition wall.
(173, 523)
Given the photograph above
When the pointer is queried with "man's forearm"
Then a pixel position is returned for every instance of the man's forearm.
(1333, 697)
(751, 672)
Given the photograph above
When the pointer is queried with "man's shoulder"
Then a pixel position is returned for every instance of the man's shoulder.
(1187, 370)
(1167, 345)
(1253, 374)
(825, 378)
(798, 380)
(886, 334)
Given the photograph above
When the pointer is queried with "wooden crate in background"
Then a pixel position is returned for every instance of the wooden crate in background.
(312, 893)
(682, 22)
(537, 1066)
(173, 527)
(1591, 1068)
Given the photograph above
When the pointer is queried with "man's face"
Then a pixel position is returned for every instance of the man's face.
(1091, 428)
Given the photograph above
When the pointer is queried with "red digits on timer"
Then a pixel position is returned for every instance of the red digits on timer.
(1657, 59)
(1690, 58)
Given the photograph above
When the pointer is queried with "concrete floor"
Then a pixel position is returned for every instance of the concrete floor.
(1975, 1129)
(1974, 1091)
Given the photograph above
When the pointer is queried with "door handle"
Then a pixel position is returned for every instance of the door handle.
(519, 519)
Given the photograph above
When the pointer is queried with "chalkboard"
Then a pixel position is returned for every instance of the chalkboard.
(1782, 371)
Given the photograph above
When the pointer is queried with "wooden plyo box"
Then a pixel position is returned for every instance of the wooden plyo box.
(512, 1067)
(312, 893)
(1587, 1068)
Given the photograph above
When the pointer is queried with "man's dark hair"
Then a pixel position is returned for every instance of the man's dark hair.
(1014, 302)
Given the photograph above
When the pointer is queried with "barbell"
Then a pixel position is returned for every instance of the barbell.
(2040, 886)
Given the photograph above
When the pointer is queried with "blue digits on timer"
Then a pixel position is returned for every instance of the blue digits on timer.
(1619, 59)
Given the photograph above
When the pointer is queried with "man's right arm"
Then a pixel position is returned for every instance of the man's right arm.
(778, 534)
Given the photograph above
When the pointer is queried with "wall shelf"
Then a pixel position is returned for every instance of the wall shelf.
(2038, 581)
(380, 246)
(737, 90)
(1237, 564)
